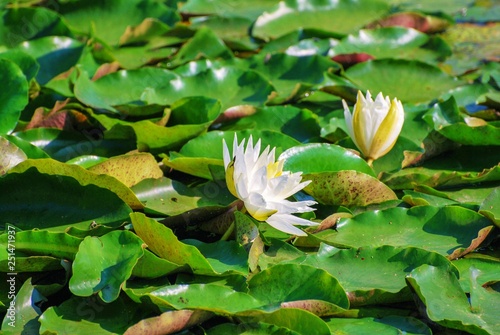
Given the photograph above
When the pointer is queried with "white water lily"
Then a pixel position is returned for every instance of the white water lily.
(374, 126)
(260, 182)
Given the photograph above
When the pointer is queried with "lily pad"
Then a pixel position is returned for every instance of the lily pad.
(129, 169)
(390, 76)
(446, 230)
(109, 20)
(84, 177)
(447, 304)
(393, 42)
(290, 15)
(103, 264)
(57, 202)
(14, 97)
(347, 188)
(364, 273)
(303, 158)
(55, 54)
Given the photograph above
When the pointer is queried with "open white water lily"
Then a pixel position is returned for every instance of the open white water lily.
(260, 182)
(374, 126)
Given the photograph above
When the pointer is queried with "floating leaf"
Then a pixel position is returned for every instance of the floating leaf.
(290, 15)
(89, 315)
(291, 282)
(129, 169)
(84, 177)
(390, 76)
(55, 54)
(20, 24)
(303, 158)
(374, 275)
(171, 197)
(162, 241)
(103, 264)
(205, 297)
(42, 243)
(109, 21)
(447, 304)
(386, 325)
(392, 42)
(447, 121)
(347, 188)
(54, 202)
(24, 317)
(13, 97)
(443, 230)
(490, 206)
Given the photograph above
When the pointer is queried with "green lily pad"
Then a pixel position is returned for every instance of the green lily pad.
(170, 197)
(455, 169)
(297, 320)
(204, 44)
(123, 91)
(304, 158)
(451, 231)
(292, 282)
(42, 243)
(232, 8)
(292, 76)
(205, 297)
(447, 120)
(152, 266)
(447, 304)
(393, 42)
(84, 177)
(490, 206)
(385, 325)
(63, 145)
(162, 241)
(57, 202)
(301, 124)
(21, 24)
(364, 273)
(55, 54)
(14, 97)
(26, 63)
(24, 304)
(292, 14)
(103, 264)
(109, 20)
(231, 85)
(488, 271)
(90, 315)
(390, 76)
(232, 30)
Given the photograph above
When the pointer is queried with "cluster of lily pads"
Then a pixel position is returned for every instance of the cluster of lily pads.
(144, 144)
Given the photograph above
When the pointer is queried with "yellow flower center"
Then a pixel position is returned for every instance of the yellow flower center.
(274, 170)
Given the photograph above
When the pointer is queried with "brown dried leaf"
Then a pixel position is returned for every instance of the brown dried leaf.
(169, 322)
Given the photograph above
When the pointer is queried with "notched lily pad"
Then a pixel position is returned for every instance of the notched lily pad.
(347, 188)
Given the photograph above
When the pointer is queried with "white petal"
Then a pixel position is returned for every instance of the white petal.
(225, 154)
(285, 223)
